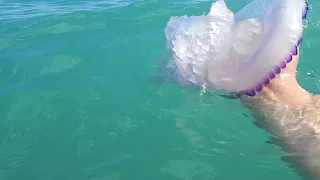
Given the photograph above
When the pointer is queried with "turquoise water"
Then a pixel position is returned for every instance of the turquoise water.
(85, 96)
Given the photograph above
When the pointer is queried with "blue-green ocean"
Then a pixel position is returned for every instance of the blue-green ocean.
(85, 95)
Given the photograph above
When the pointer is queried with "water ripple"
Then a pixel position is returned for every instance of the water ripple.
(15, 10)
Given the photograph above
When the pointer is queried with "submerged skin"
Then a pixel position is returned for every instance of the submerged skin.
(292, 115)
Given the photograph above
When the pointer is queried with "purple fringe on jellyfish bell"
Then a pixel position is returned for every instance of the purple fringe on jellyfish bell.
(282, 65)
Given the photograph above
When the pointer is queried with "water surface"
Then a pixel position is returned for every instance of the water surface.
(82, 98)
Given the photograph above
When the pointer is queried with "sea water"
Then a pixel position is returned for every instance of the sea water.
(86, 95)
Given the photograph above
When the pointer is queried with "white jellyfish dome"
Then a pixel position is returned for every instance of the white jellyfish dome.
(238, 52)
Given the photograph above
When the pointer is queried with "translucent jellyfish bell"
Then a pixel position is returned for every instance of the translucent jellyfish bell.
(241, 52)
